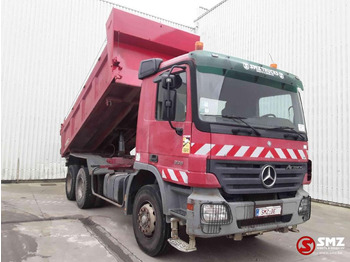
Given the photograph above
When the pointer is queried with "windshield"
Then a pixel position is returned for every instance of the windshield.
(228, 97)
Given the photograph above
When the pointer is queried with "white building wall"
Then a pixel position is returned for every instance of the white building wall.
(312, 40)
(48, 47)
(47, 50)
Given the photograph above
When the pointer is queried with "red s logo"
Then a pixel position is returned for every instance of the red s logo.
(306, 245)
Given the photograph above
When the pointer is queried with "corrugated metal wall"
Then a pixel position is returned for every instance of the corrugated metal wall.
(312, 40)
(48, 47)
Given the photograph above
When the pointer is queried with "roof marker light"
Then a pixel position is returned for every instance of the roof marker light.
(273, 65)
(198, 45)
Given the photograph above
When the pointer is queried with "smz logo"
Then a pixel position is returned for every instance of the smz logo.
(330, 243)
(306, 245)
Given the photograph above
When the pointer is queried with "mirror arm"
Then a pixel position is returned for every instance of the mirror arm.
(178, 131)
(176, 66)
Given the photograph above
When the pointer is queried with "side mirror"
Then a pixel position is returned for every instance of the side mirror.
(171, 82)
(169, 105)
(149, 67)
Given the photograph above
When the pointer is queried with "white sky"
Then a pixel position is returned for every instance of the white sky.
(180, 11)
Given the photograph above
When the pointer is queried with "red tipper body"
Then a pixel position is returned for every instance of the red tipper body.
(110, 98)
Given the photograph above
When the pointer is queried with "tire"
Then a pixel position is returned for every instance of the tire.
(70, 181)
(83, 194)
(154, 240)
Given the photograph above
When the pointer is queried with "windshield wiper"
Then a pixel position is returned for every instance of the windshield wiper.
(240, 118)
(288, 128)
(244, 122)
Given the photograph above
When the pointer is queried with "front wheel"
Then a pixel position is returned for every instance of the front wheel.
(149, 223)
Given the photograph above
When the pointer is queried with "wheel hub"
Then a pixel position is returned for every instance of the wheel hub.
(147, 219)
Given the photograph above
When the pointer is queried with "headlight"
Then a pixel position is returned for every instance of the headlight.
(305, 208)
(213, 216)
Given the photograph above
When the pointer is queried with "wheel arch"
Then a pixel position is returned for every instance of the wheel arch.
(75, 160)
(146, 175)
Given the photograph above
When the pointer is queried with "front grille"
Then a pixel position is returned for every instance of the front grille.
(244, 177)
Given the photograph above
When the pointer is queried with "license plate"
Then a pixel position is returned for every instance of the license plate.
(268, 211)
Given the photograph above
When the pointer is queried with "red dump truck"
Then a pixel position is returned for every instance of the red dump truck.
(178, 136)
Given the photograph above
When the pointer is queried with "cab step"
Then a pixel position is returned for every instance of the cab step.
(181, 245)
(179, 213)
(178, 243)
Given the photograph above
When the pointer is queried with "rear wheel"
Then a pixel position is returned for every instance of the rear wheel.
(83, 193)
(149, 223)
(70, 181)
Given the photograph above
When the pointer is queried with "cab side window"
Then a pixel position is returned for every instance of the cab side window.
(181, 98)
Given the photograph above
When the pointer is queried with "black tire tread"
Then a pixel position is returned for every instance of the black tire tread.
(73, 170)
(88, 199)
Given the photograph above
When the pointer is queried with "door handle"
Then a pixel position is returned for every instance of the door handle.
(153, 158)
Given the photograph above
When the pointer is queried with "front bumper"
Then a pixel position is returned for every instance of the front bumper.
(243, 220)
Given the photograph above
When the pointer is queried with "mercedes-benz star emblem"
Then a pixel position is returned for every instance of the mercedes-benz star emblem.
(268, 176)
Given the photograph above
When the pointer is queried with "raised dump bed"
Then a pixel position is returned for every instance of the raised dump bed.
(108, 103)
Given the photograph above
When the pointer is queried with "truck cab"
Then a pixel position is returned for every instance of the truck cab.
(241, 153)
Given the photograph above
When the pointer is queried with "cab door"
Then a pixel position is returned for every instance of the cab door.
(169, 151)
